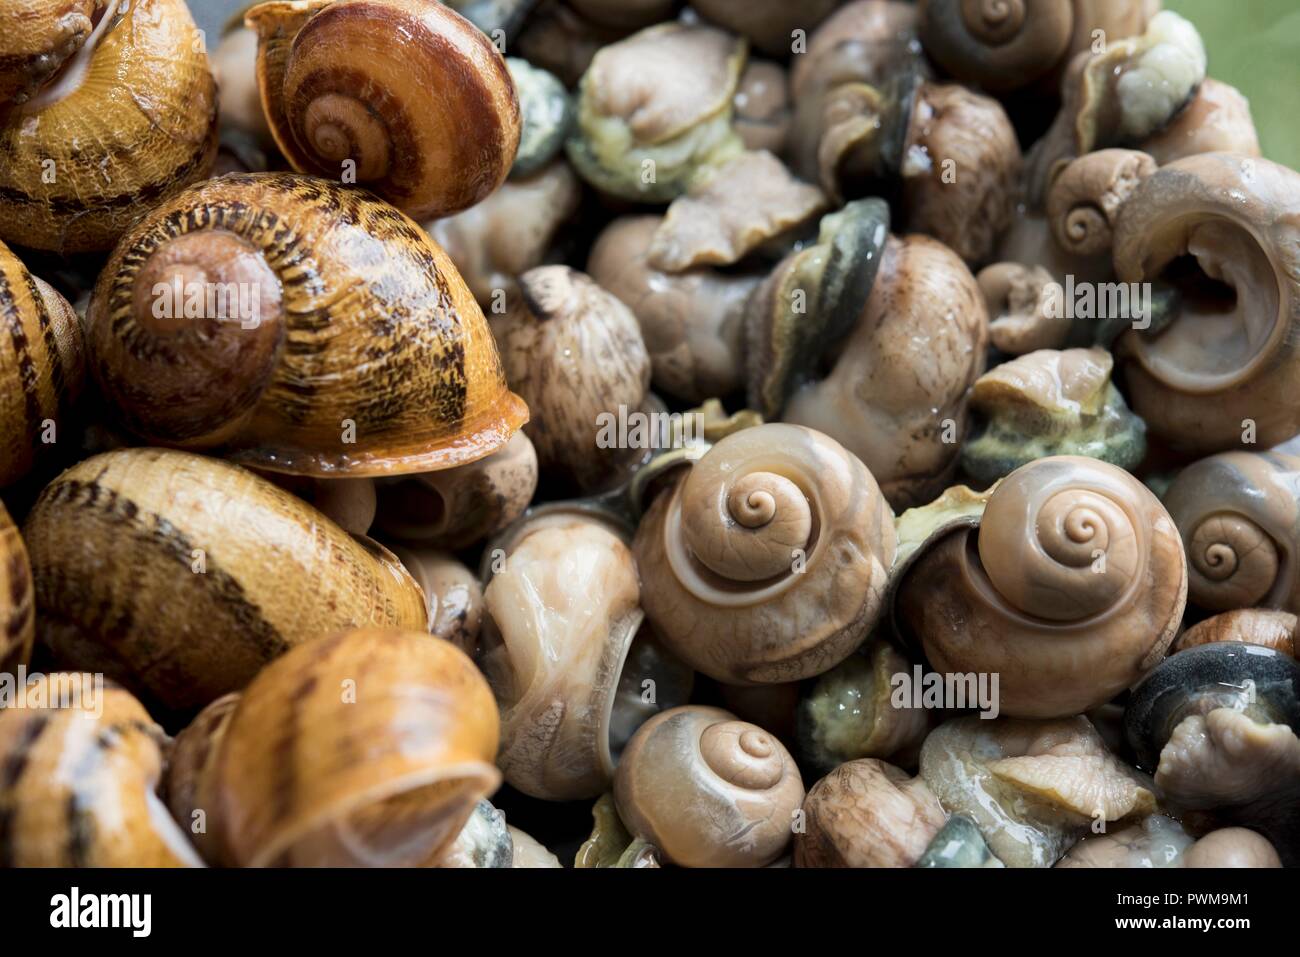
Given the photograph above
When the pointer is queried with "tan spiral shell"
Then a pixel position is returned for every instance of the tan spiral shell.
(1239, 515)
(1074, 587)
(767, 561)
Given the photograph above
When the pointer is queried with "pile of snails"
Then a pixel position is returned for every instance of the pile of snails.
(543, 433)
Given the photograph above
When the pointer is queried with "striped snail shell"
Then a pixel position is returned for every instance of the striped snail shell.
(38, 41)
(368, 748)
(1239, 515)
(301, 327)
(767, 561)
(411, 94)
(1073, 588)
(191, 777)
(128, 121)
(42, 365)
(81, 780)
(708, 790)
(17, 603)
(181, 576)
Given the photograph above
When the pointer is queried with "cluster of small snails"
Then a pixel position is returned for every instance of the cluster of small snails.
(327, 539)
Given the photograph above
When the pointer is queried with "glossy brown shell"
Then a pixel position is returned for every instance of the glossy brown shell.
(410, 92)
(17, 603)
(363, 321)
(42, 365)
(140, 127)
(39, 37)
(181, 576)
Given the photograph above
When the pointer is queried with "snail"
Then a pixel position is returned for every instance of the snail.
(1217, 120)
(455, 508)
(349, 503)
(191, 777)
(1218, 375)
(368, 748)
(610, 843)
(181, 576)
(42, 365)
(708, 790)
(125, 122)
(561, 41)
(1232, 847)
(1254, 626)
(867, 813)
(1050, 403)
(528, 852)
(43, 34)
(624, 14)
(1159, 841)
(771, 25)
(83, 764)
(1070, 586)
(404, 97)
(762, 109)
(766, 562)
(485, 841)
(452, 594)
(17, 602)
(1239, 516)
(1088, 194)
(562, 655)
(959, 843)
(1032, 787)
(234, 64)
(575, 354)
(1021, 299)
(299, 327)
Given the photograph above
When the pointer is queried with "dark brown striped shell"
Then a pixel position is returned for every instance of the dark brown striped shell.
(79, 781)
(367, 355)
(93, 150)
(17, 606)
(181, 576)
(406, 97)
(42, 365)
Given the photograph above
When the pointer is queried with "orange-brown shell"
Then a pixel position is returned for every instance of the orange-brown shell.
(130, 122)
(80, 783)
(38, 38)
(416, 98)
(368, 355)
(42, 365)
(1254, 626)
(17, 603)
(370, 747)
(181, 576)
(191, 777)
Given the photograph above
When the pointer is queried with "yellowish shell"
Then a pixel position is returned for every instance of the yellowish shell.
(17, 606)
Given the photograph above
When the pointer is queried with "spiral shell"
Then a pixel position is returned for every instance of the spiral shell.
(998, 44)
(1074, 588)
(409, 93)
(42, 365)
(767, 562)
(368, 748)
(1239, 515)
(301, 327)
(83, 762)
(17, 604)
(1088, 194)
(41, 36)
(708, 790)
(181, 576)
(129, 121)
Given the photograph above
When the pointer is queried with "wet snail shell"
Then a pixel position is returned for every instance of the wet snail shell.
(181, 576)
(999, 45)
(410, 93)
(766, 561)
(82, 784)
(17, 603)
(1239, 516)
(452, 594)
(191, 776)
(386, 738)
(1087, 195)
(138, 87)
(349, 345)
(1254, 626)
(42, 35)
(42, 365)
(708, 790)
(1071, 589)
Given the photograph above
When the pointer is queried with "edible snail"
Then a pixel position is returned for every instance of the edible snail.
(452, 594)
(1088, 194)
(301, 327)
(84, 762)
(191, 776)
(1217, 120)
(959, 843)
(1159, 841)
(1239, 516)
(763, 113)
(1021, 301)
(1254, 626)
(42, 35)
(181, 576)
(404, 97)
(1070, 586)
(1220, 373)
(766, 562)
(42, 365)
(708, 790)
(368, 748)
(771, 25)
(17, 602)
(125, 122)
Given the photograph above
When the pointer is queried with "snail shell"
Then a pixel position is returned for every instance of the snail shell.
(368, 748)
(355, 347)
(41, 35)
(998, 44)
(191, 777)
(1253, 626)
(1239, 515)
(1087, 195)
(1072, 588)
(81, 781)
(767, 562)
(17, 604)
(182, 576)
(708, 790)
(410, 93)
(1221, 363)
(128, 123)
(42, 365)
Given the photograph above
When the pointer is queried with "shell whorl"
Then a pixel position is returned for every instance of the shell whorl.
(994, 21)
(1088, 194)
(999, 44)
(746, 526)
(1233, 561)
(743, 755)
